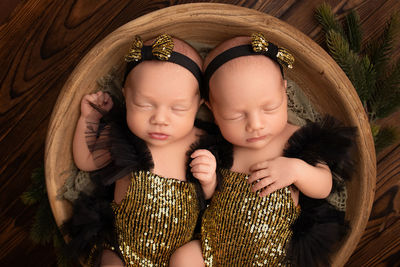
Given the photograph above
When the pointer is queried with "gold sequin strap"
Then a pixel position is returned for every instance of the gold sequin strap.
(157, 216)
(240, 228)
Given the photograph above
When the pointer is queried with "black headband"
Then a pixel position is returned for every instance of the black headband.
(258, 46)
(160, 50)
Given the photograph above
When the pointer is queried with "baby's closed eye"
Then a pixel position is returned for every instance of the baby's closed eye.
(232, 117)
(180, 108)
(145, 106)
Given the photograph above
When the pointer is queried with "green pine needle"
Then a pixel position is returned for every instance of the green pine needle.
(381, 49)
(355, 68)
(42, 229)
(370, 68)
(387, 96)
(386, 137)
(63, 259)
(326, 18)
(37, 190)
(353, 33)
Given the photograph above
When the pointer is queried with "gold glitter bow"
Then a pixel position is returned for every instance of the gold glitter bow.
(260, 45)
(162, 48)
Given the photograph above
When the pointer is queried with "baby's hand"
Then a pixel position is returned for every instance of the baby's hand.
(100, 99)
(272, 175)
(203, 166)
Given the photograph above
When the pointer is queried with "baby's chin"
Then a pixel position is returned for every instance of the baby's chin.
(255, 144)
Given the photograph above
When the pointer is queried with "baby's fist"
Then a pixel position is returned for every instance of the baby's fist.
(100, 99)
(203, 166)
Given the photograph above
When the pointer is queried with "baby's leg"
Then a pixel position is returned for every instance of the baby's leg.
(188, 255)
(110, 259)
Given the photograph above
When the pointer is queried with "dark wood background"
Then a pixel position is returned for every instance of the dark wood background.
(42, 41)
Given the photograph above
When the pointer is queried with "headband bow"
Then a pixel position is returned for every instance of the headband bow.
(161, 48)
(260, 45)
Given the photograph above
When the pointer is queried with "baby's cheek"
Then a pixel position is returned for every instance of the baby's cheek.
(231, 133)
(135, 123)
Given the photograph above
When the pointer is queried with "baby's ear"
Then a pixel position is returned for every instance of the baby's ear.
(123, 91)
(285, 84)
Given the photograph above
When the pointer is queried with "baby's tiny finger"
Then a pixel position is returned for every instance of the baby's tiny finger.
(107, 97)
(201, 176)
(102, 97)
(257, 175)
(261, 184)
(90, 97)
(200, 168)
(201, 152)
(268, 190)
(259, 166)
(201, 160)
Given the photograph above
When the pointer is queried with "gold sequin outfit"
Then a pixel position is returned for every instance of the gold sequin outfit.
(240, 228)
(157, 216)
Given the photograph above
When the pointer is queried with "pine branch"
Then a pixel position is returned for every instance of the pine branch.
(63, 258)
(393, 77)
(42, 229)
(386, 137)
(370, 86)
(355, 68)
(369, 69)
(37, 190)
(326, 18)
(353, 31)
(380, 49)
(387, 96)
(376, 81)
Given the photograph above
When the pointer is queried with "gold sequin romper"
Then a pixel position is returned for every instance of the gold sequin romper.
(240, 228)
(157, 216)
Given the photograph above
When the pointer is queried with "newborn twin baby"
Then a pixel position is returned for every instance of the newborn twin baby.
(247, 189)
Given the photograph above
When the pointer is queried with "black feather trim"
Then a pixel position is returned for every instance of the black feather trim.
(221, 149)
(328, 142)
(225, 153)
(128, 152)
(315, 233)
(91, 225)
(320, 226)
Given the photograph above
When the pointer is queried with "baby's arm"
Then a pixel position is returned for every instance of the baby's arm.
(188, 255)
(86, 131)
(110, 259)
(203, 167)
(312, 181)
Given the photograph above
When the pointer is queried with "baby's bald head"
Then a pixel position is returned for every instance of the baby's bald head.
(248, 61)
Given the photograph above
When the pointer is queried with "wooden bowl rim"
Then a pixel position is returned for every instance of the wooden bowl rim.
(238, 16)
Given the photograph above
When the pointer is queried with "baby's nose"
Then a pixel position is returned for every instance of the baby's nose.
(160, 116)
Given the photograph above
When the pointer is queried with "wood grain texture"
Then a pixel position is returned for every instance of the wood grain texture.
(41, 44)
(379, 245)
(317, 74)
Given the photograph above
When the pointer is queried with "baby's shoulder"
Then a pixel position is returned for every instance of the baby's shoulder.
(289, 130)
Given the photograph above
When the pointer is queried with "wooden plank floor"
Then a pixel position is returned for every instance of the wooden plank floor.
(42, 41)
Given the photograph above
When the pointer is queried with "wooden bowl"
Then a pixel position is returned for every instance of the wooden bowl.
(321, 79)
